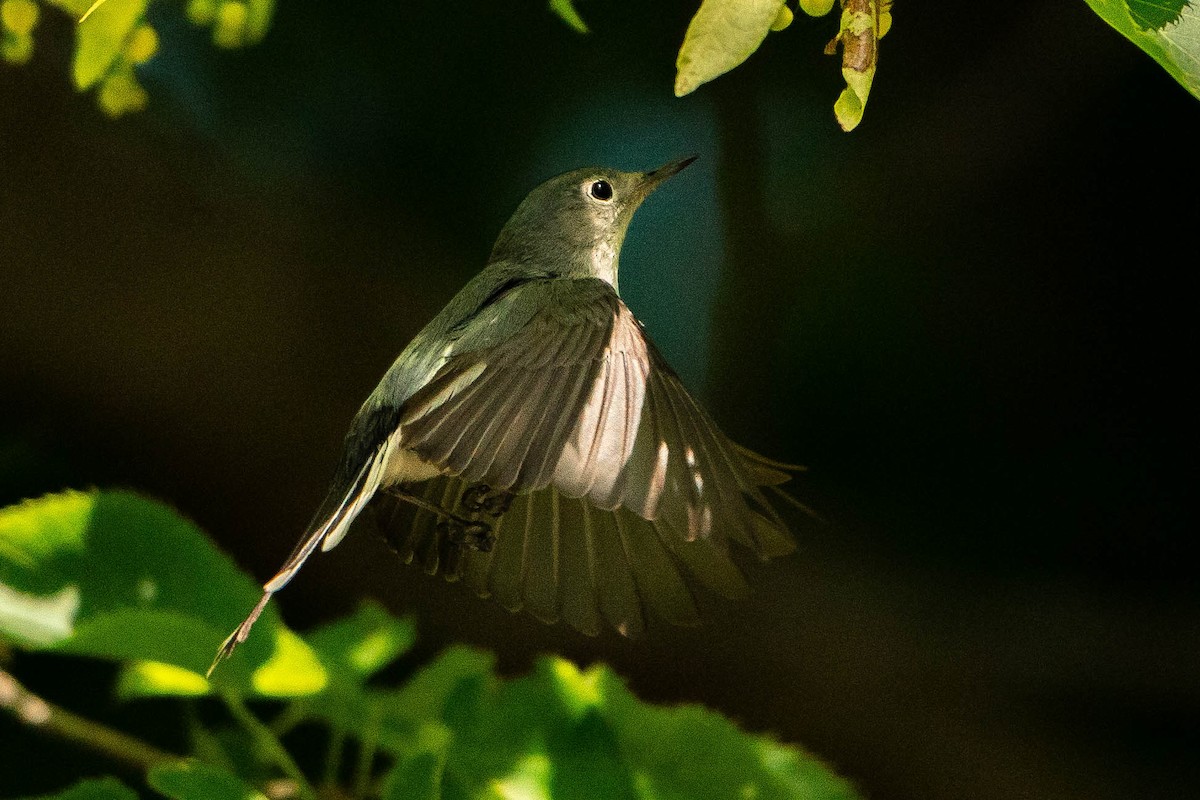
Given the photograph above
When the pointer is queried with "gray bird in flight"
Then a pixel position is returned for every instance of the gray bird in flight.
(533, 443)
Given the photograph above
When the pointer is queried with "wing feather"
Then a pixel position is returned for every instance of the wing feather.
(659, 583)
(624, 488)
(542, 536)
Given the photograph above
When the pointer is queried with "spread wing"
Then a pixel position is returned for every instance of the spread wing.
(622, 483)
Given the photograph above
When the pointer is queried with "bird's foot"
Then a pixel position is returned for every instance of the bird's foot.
(483, 499)
(466, 533)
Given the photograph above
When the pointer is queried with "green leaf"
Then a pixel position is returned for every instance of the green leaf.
(566, 10)
(1155, 13)
(415, 778)
(723, 34)
(563, 733)
(102, 36)
(94, 789)
(425, 695)
(1167, 30)
(362, 644)
(191, 780)
(116, 576)
(661, 745)
(408, 717)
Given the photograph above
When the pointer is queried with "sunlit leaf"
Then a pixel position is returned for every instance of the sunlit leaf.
(816, 8)
(566, 10)
(38, 621)
(565, 733)
(202, 12)
(18, 17)
(863, 24)
(192, 780)
(1167, 30)
(723, 34)
(154, 678)
(360, 645)
(142, 45)
(16, 49)
(660, 745)
(258, 19)
(101, 38)
(115, 576)
(94, 789)
(783, 20)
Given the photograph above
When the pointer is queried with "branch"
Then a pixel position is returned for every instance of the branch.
(37, 713)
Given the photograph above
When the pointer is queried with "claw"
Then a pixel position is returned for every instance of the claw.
(479, 537)
(482, 499)
(498, 503)
(471, 535)
(475, 497)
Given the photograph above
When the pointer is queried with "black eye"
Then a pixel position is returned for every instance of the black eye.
(601, 190)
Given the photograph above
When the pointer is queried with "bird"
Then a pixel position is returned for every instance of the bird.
(533, 443)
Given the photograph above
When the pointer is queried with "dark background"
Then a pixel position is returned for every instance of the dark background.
(973, 318)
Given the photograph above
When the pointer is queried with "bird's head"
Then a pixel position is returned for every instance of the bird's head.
(574, 224)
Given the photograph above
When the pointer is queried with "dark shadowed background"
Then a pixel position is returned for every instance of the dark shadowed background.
(974, 318)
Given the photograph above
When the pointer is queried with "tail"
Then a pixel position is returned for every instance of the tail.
(328, 527)
(772, 474)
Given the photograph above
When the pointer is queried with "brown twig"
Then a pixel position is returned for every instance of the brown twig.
(41, 715)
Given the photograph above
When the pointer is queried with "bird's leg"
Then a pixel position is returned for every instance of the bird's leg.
(481, 498)
(469, 533)
(473, 536)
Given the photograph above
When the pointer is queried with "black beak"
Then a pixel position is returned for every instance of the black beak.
(656, 177)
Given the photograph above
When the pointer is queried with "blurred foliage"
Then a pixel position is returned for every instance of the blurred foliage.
(566, 10)
(118, 577)
(1168, 30)
(112, 38)
(97, 789)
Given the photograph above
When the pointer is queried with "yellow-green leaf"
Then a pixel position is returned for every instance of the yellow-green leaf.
(142, 45)
(19, 16)
(723, 34)
(154, 678)
(101, 38)
(863, 24)
(258, 20)
(293, 670)
(565, 9)
(783, 20)
(816, 8)
(16, 49)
